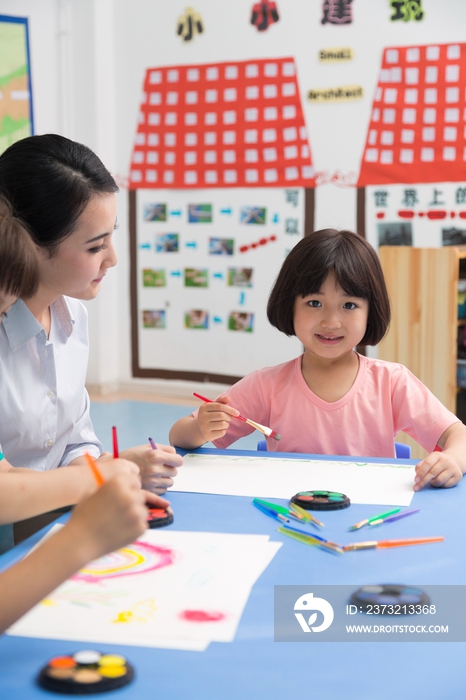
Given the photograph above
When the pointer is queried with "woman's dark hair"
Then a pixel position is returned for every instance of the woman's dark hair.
(357, 271)
(19, 273)
(49, 180)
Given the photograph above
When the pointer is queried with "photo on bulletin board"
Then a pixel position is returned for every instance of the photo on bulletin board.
(199, 213)
(196, 277)
(155, 212)
(167, 243)
(399, 233)
(241, 321)
(453, 236)
(154, 318)
(221, 246)
(154, 278)
(240, 277)
(253, 215)
(196, 318)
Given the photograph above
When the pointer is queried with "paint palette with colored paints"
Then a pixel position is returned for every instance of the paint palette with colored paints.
(378, 598)
(159, 517)
(321, 500)
(86, 672)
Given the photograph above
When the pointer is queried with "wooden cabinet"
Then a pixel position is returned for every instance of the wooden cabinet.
(423, 288)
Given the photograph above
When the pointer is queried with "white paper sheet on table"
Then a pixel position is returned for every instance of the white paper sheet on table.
(207, 573)
(235, 475)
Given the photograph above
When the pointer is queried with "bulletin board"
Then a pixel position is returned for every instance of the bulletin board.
(204, 262)
(204, 258)
(16, 112)
(300, 123)
(412, 183)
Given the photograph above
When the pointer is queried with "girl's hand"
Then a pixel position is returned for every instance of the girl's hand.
(112, 517)
(154, 501)
(110, 467)
(214, 418)
(438, 469)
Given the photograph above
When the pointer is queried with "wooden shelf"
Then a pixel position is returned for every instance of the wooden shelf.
(423, 288)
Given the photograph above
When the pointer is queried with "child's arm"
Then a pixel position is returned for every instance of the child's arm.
(444, 468)
(111, 518)
(211, 423)
(25, 493)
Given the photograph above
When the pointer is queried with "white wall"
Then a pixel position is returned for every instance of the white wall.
(88, 63)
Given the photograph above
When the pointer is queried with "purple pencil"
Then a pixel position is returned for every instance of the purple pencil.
(392, 518)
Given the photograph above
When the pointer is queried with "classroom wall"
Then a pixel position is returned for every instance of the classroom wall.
(88, 62)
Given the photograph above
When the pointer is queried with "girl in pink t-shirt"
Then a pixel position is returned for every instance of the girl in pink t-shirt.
(331, 294)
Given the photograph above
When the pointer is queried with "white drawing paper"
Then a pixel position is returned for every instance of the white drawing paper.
(363, 482)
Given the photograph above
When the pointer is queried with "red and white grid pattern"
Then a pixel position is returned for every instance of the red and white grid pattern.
(418, 126)
(236, 124)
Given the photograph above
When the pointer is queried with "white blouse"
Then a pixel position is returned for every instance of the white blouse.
(44, 406)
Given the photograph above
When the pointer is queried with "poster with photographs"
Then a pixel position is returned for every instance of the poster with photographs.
(413, 165)
(206, 261)
(427, 215)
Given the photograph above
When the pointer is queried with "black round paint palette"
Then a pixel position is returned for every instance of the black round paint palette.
(158, 517)
(388, 594)
(321, 500)
(85, 672)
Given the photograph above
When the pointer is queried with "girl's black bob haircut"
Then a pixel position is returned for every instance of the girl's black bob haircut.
(357, 271)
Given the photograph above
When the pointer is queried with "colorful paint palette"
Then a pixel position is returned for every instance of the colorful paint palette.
(321, 500)
(86, 672)
(376, 598)
(159, 517)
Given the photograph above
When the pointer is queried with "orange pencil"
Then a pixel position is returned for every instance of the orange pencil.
(95, 470)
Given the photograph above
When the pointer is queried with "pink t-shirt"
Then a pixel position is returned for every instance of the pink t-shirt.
(384, 400)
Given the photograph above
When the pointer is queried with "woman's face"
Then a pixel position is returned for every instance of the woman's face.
(81, 261)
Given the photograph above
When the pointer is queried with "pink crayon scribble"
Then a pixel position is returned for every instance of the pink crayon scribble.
(202, 616)
(138, 558)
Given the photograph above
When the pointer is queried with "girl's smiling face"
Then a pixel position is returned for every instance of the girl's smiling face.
(83, 258)
(330, 323)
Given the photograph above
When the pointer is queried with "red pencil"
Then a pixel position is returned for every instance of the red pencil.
(116, 454)
(268, 432)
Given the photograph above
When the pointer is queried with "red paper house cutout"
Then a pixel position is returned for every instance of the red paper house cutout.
(417, 129)
(235, 124)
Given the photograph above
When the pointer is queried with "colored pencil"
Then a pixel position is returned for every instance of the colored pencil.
(368, 521)
(392, 518)
(313, 540)
(386, 544)
(116, 453)
(152, 444)
(260, 503)
(305, 515)
(268, 432)
(95, 470)
(292, 526)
